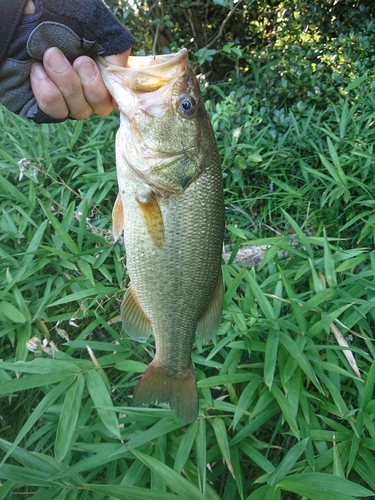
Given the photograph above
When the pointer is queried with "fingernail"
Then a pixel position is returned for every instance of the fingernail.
(87, 71)
(37, 71)
(56, 60)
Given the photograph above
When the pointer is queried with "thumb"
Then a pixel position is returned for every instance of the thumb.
(119, 59)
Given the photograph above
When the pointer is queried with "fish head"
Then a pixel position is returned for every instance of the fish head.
(163, 119)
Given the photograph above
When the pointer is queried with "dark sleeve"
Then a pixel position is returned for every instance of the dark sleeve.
(10, 17)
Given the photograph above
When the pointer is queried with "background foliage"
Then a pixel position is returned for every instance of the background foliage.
(286, 388)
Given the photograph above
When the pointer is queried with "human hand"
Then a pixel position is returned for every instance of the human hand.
(47, 62)
(77, 89)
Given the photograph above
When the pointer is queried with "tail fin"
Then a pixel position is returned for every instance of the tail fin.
(160, 385)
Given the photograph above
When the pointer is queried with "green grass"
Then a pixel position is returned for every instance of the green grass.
(283, 412)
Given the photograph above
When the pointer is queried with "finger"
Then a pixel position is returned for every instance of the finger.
(47, 94)
(93, 86)
(119, 60)
(62, 74)
(95, 92)
(29, 7)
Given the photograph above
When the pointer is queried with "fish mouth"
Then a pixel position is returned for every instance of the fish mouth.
(149, 73)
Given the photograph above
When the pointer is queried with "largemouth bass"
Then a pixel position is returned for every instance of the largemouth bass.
(170, 207)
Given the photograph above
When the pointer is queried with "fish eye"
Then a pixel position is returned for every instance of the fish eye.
(187, 106)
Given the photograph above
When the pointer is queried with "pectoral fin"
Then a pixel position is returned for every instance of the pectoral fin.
(117, 218)
(153, 219)
(135, 322)
(210, 321)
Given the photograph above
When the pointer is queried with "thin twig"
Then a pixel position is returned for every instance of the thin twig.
(155, 39)
(222, 26)
(190, 21)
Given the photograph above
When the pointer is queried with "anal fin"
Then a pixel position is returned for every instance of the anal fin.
(209, 323)
(117, 218)
(153, 219)
(134, 320)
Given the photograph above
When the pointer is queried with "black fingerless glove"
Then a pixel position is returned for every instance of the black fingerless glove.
(76, 27)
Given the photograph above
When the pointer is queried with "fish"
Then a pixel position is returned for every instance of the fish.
(170, 209)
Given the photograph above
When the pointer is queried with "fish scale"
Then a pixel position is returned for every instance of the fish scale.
(171, 209)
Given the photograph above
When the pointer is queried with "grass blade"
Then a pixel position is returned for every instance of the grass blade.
(102, 401)
(128, 492)
(315, 485)
(287, 462)
(41, 408)
(272, 346)
(222, 441)
(174, 481)
(11, 312)
(61, 232)
(201, 452)
(68, 418)
(185, 447)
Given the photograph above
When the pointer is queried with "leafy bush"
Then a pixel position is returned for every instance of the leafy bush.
(318, 166)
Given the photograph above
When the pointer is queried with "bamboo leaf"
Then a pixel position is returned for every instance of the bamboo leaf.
(129, 492)
(222, 441)
(368, 390)
(11, 312)
(34, 244)
(245, 400)
(42, 366)
(84, 294)
(41, 408)
(68, 418)
(263, 302)
(301, 235)
(185, 447)
(355, 83)
(60, 231)
(174, 481)
(5, 489)
(314, 485)
(25, 383)
(262, 493)
(338, 469)
(201, 452)
(329, 264)
(229, 378)
(286, 409)
(103, 402)
(162, 427)
(25, 475)
(272, 346)
(287, 462)
(297, 353)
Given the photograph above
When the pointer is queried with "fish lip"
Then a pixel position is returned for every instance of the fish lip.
(160, 62)
(145, 74)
